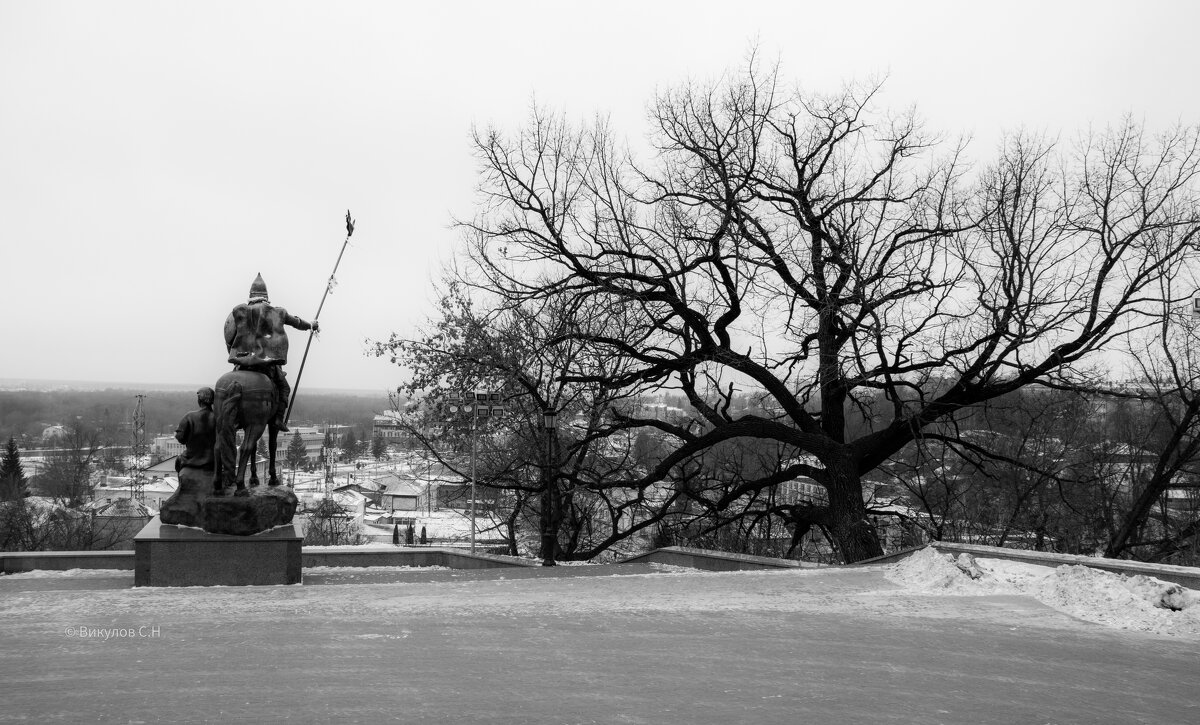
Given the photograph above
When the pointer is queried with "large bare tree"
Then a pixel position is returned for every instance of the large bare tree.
(829, 257)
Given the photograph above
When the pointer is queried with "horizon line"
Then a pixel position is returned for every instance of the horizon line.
(49, 384)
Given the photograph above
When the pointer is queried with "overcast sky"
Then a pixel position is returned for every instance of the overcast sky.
(155, 156)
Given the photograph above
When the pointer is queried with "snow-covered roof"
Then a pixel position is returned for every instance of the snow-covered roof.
(150, 485)
(1125, 449)
(393, 481)
(122, 507)
(403, 488)
(165, 466)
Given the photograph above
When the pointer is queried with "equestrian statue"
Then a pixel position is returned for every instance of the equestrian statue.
(253, 397)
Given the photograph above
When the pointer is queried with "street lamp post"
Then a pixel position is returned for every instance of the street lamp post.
(428, 481)
(478, 405)
(549, 423)
(474, 445)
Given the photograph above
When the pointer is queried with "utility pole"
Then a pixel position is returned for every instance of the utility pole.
(328, 465)
(137, 488)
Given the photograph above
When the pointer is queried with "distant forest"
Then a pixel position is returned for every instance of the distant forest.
(24, 414)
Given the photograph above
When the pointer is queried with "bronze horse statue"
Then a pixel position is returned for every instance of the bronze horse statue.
(245, 401)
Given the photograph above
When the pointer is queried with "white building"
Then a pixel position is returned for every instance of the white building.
(314, 442)
(167, 446)
(154, 491)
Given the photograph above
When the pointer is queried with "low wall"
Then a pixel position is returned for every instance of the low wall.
(18, 561)
(1183, 575)
(417, 556)
(15, 561)
(11, 562)
(712, 560)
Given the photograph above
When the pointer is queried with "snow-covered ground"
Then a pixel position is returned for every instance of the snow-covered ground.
(442, 526)
(1137, 603)
(915, 642)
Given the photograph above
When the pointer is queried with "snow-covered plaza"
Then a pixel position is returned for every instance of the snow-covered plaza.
(914, 642)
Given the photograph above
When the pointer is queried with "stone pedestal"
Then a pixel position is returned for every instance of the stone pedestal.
(176, 556)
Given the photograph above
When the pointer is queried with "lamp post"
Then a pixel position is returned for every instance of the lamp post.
(549, 424)
(477, 405)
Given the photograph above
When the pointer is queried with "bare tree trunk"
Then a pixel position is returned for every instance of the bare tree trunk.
(1132, 522)
(510, 525)
(846, 518)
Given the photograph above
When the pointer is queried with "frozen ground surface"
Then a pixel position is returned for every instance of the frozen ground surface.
(915, 642)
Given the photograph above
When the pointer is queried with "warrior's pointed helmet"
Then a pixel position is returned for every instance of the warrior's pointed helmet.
(258, 290)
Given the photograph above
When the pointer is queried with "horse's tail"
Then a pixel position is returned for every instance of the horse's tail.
(231, 406)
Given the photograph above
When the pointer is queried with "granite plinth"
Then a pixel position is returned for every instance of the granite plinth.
(175, 556)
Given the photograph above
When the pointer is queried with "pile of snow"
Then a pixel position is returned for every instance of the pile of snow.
(1139, 603)
(930, 571)
(1127, 603)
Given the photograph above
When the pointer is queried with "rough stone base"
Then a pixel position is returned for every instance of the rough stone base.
(172, 556)
(194, 504)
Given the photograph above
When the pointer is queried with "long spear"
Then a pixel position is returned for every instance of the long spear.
(328, 287)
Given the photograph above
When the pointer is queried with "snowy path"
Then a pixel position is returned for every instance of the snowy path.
(817, 646)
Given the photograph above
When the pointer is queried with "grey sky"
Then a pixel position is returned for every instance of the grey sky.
(154, 156)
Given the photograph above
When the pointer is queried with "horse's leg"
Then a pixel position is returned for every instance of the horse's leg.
(253, 461)
(218, 473)
(272, 437)
(218, 470)
(226, 455)
(250, 435)
(241, 472)
(242, 457)
(240, 476)
(228, 414)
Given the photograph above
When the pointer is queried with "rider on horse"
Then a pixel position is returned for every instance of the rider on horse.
(256, 340)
